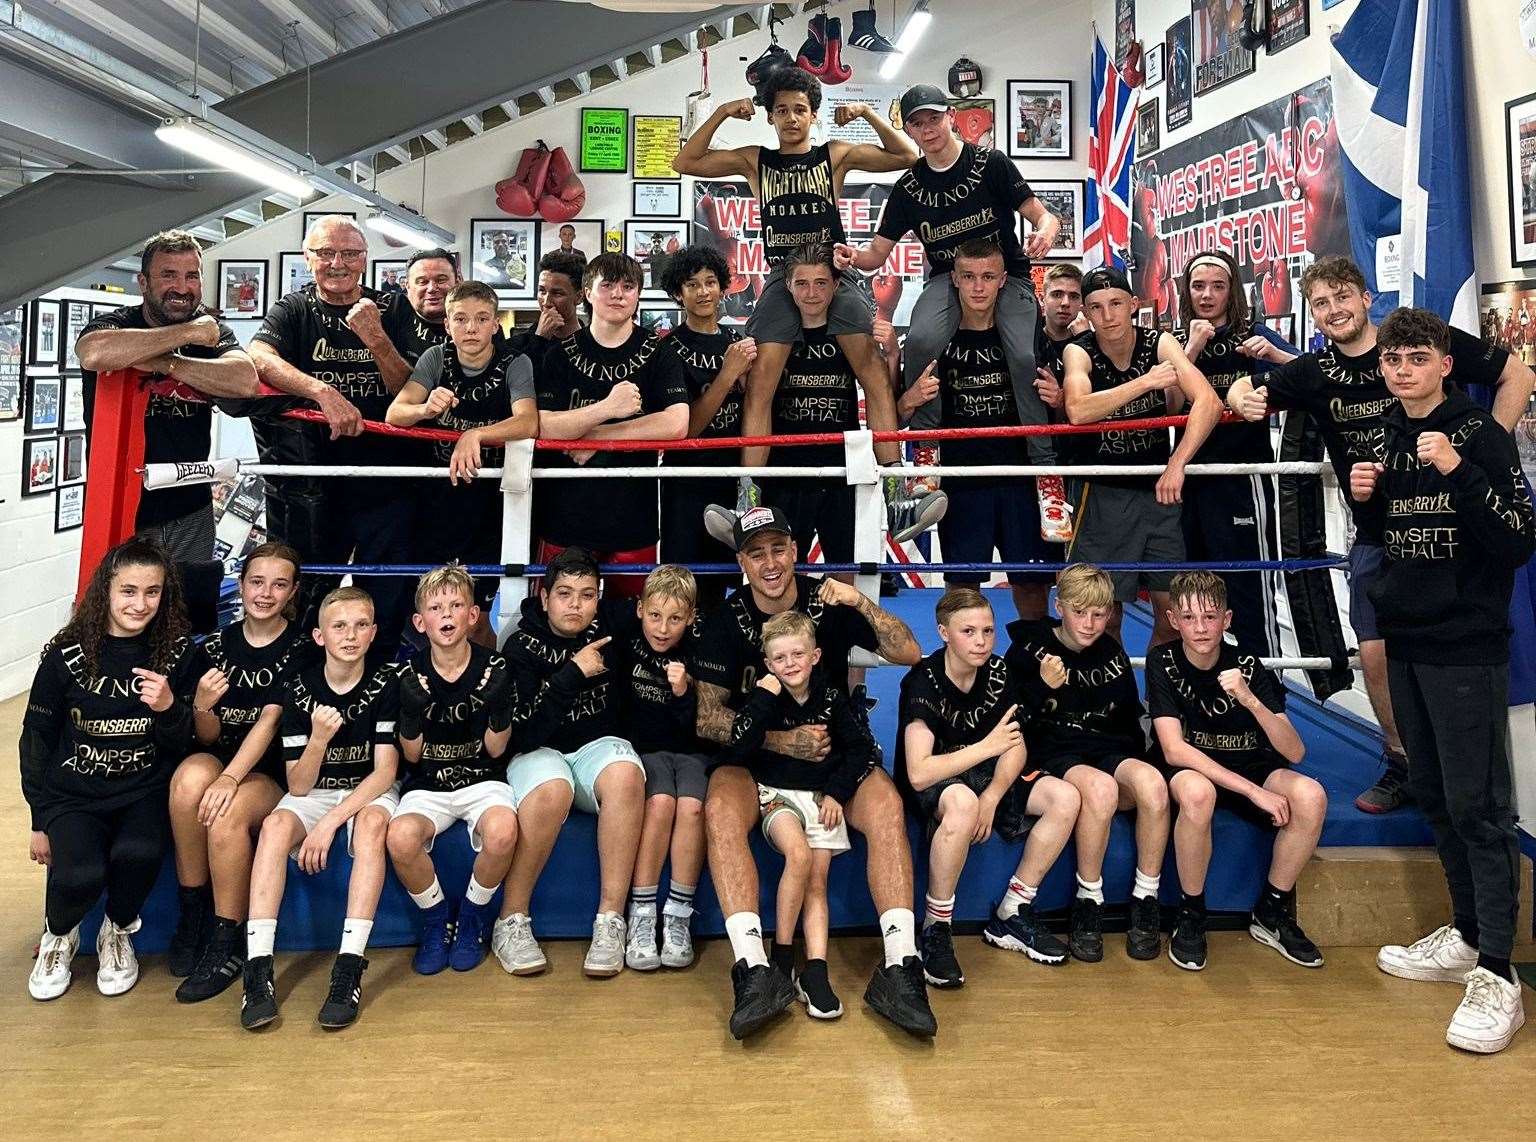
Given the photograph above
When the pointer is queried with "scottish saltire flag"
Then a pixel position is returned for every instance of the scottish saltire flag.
(1398, 98)
(1111, 153)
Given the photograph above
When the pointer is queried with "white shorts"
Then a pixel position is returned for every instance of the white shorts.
(310, 807)
(806, 807)
(466, 805)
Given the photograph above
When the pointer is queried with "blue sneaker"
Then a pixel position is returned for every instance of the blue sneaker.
(475, 922)
(1023, 932)
(438, 923)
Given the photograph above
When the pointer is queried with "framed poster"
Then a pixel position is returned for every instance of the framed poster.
(293, 272)
(1507, 318)
(77, 315)
(242, 288)
(504, 254)
(1219, 55)
(13, 347)
(1125, 29)
(69, 508)
(1288, 23)
(72, 394)
(100, 310)
(1520, 153)
(39, 465)
(47, 331)
(72, 460)
(311, 215)
(1147, 121)
(657, 200)
(604, 140)
(1040, 118)
(1064, 199)
(1153, 62)
(659, 320)
(388, 273)
(580, 236)
(43, 403)
(657, 139)
(1180, 71)
(652, 244)
(975, 121)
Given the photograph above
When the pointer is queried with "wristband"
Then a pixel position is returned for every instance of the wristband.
(229, 775)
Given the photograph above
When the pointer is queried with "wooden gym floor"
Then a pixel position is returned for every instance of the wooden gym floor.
(1253, 1047)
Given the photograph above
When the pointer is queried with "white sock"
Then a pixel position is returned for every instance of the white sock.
(477, 893)
(1018, 895)
(745, 930)
(1146, 885)
(679, 900)
(354, 936)
(432, 895)
(259, 937)
(898, 927)
(938, 911)
(1091, 890)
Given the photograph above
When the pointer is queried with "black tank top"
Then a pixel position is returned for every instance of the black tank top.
(1142, 446)
(797, 201)
(1222, 365)
(483, 398)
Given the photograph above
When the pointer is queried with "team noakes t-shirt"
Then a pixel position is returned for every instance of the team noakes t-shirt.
(368, 714)
(257, 676)
(818, 393)
(975, 391)
(702, 356)
(956, 718)
(978, 197)
(1097, 709)
(1214, 722)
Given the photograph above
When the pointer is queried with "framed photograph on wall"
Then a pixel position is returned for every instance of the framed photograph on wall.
(1148, 122)
(659, 319)
(47, 333)
(604, 140)
(242, 288)
(1153, 62)
(39, 465)
(582, 236)
(293, 272)
(13, 349)
(388, 273)
(657, 200)
(1520, 153)
(653, 244)
(77, 315)
(311, 215)
(504, 254)
(43, 409)
(100, 310)
(1063, 198)
(69, 508)
(72, 459)
(1040, 118)
(72, 394)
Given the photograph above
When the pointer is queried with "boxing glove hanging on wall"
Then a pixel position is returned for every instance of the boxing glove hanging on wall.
(563, 193)
(513, 195)
(1254, 32)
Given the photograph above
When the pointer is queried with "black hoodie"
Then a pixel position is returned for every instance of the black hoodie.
(1453, 542)
(837, 775)
(553, 703)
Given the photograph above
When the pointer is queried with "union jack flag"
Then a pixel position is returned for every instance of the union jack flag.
(1111, 153)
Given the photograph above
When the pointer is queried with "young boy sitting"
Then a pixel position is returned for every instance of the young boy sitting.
(802, 801)
(455, 722)
(1084, 726)
(1220, 717)
(339, 747)
(566, 719)
(658, 707)
(960, 758)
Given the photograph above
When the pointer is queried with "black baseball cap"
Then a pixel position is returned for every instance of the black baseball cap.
(1105, 277)
(922, 97)
(755, 521)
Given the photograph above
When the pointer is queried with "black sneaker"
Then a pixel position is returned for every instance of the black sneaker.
(1285, 935)
(1086, 938)
(220, 965)
(192, 925)
(259, 1005)
(1391, 791)
(1186, 947)
(940, 967)
(340, 1007)
(898, 993)
(814, 990)
(762, 992)
(1142, 939)
(1023, 932)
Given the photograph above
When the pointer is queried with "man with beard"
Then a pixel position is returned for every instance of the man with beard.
(1342, 389)
(190, 356)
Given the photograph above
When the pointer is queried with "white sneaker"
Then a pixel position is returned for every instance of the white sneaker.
(908, 519)
(640, 952)
(605, 956)
(720, 524)
(1490, 1014)
(516, 949)
(676, 941)
(51, 976)
(1055, 511)
(1442, 956)
(117, 967)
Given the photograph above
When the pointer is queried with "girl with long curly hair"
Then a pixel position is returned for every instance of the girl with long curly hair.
(107, 718)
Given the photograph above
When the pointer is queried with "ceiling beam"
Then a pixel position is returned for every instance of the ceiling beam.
(146, 44)
(373, 14)
(308, 29)
(259, 59)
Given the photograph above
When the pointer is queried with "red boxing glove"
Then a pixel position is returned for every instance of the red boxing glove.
(564, 195)
(887, 292)
(513, 195)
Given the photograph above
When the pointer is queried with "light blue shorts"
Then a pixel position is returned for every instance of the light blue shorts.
(579, 769)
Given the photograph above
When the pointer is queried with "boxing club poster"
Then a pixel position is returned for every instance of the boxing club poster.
(725, 214)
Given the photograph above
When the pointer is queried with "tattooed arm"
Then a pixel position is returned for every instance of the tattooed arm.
(894, 641)
(714, 718)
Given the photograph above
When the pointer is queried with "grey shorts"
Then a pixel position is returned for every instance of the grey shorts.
(1126, 525)
(187, 539)
(675, 774)
(775, 319)
(1365, 561)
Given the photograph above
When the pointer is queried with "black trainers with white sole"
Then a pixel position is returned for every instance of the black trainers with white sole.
(1285, 935)
(813, 989)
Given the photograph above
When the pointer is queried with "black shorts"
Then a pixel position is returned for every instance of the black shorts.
(1001, 515)
(1011, 821)
(1056, 761)
(1240, 806)
(816, 508)
(461, 523)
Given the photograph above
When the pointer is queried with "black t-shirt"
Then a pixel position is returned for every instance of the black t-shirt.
(1222, 364)
(1141, 446)
(797, 201)
(730, 651)
(702, 355)
(976, 391)
(368, 714)
(653, 717)
(1348, 396)
(603, 515)
(413, 334)
(956, 717)
(1097, 709)
(257, 676)
(452, 718)
(178, 421)
(978, 197)
(819, 392)
(1214, 722)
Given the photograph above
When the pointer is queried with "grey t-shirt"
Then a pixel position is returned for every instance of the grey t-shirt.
(486, 395)
(428, 373)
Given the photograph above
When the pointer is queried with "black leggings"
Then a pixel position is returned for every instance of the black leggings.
(119, 850)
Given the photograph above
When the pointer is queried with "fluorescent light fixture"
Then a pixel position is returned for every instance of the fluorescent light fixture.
(393, 228)
(188, 135)
(912, 31)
